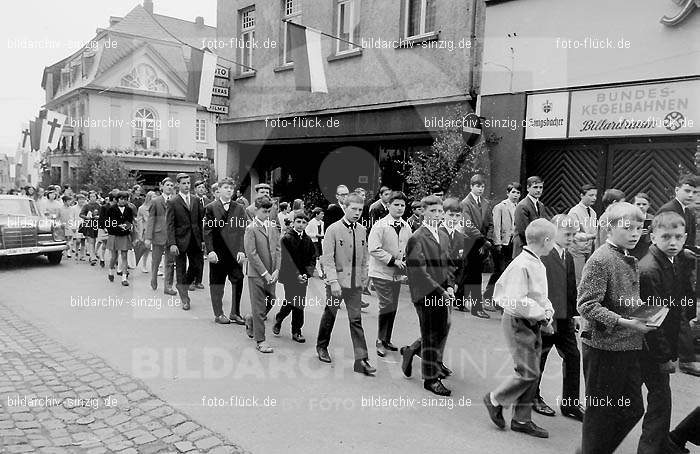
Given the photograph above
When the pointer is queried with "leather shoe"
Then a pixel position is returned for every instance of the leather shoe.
(692, 368)
(407, 361)
(391, 347)
(198, 286)
(445, 370)
(154, 285)
(364, 305)
(575, 412)
(676, 448)
(237, 319)
(529, 428)
(323, 355)
(276, 328)
(191, 288)
(436, 387)
(481, 314)
(381, 351)
(298, 338)
(222, 320)
(249, 325)
(461, 308)
(541, 407)
(169, 291)
(495, 412)
(186, 306)
(362, 366)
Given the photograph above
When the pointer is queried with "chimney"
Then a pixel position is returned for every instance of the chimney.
(199, 20)
(148, 6)
(114, 20)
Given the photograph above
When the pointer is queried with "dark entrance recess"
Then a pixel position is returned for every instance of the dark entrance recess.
(642, 165)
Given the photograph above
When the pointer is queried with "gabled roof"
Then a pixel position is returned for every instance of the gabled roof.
(189, 32)
(140, 23)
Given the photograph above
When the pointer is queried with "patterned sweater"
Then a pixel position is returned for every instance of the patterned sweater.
(609, 290)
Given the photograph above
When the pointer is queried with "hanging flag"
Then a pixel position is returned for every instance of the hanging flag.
(25, 140)
(309, 74)
(51, 130)
(201, 77)
(35, 131)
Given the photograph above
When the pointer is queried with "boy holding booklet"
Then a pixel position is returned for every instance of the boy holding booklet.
(665, 281)
(607, 296)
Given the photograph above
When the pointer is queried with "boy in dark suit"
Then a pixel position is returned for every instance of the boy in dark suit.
(477, 213)
(184, 216)
(200, 190)
(561, 288)
(682, 204)
(262, 247)
(527, 210)
(665, 280)
(223, 229)
(298, 263)
(431, 283)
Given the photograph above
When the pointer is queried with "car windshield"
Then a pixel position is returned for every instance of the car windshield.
(18, 207)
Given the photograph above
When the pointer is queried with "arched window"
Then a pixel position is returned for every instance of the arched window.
(144, 77)
(145, 124)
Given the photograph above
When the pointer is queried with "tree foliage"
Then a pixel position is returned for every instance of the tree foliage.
(103, 172)
(448, 164)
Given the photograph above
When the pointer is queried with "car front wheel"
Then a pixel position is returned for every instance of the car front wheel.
(55, 257)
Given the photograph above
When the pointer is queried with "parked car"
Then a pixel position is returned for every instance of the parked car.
(24, 231)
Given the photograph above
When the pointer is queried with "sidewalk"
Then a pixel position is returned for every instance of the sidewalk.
(57, 400)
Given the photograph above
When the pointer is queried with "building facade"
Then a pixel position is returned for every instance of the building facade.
(591, 101)
(125, 93)
(400, 62)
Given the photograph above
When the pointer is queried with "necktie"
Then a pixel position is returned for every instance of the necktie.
(319, 229)
(354, 258)
(588, 211)
(562, 256)
(478, 202)
(537, 208)
(187, 201)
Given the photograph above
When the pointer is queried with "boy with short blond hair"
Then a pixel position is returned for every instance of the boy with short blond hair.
(607, 296)
(522, 293)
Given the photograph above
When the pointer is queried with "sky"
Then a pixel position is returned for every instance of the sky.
(70, 23)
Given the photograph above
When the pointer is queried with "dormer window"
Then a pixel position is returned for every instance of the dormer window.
(144, 77)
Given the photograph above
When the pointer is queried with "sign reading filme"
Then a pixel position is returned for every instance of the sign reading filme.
(547, 116)
(650, 109)
(221, 90)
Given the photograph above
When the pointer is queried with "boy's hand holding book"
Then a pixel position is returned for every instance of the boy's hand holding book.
(635, 324)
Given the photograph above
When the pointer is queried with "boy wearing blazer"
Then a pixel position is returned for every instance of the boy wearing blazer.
(223, 228)
(345, 263)
(262, 247)
(527, 210)
(298, 264)
(561, 290)
(156, 235)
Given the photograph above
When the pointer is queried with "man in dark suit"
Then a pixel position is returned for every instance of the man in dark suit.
(527, 210)
(157, 235)
(681, 204)
(335, 212)
(223, 229)
(561, 291)
(477, 213)
(200, 190)
(430, 282)
(184, 220)
(380, 208)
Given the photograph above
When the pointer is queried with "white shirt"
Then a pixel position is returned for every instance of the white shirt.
(534, 202)
(522, 288)
(225, 204)
(560, 250)
(312, 229)
(186, 198)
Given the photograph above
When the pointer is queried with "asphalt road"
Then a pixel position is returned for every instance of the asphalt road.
(289, 401)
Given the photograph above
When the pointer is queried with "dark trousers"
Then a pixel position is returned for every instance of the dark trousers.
(470, 288)
(565, 341)
(657, 419)
(613, 398)
(501, 259)
(159, 251)
(434, 326)
(200, 270)
(688, 430)
(294, 302)
(388, 297)
(686, 337)
(185, 274)
(353, 303)
(218, 272)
